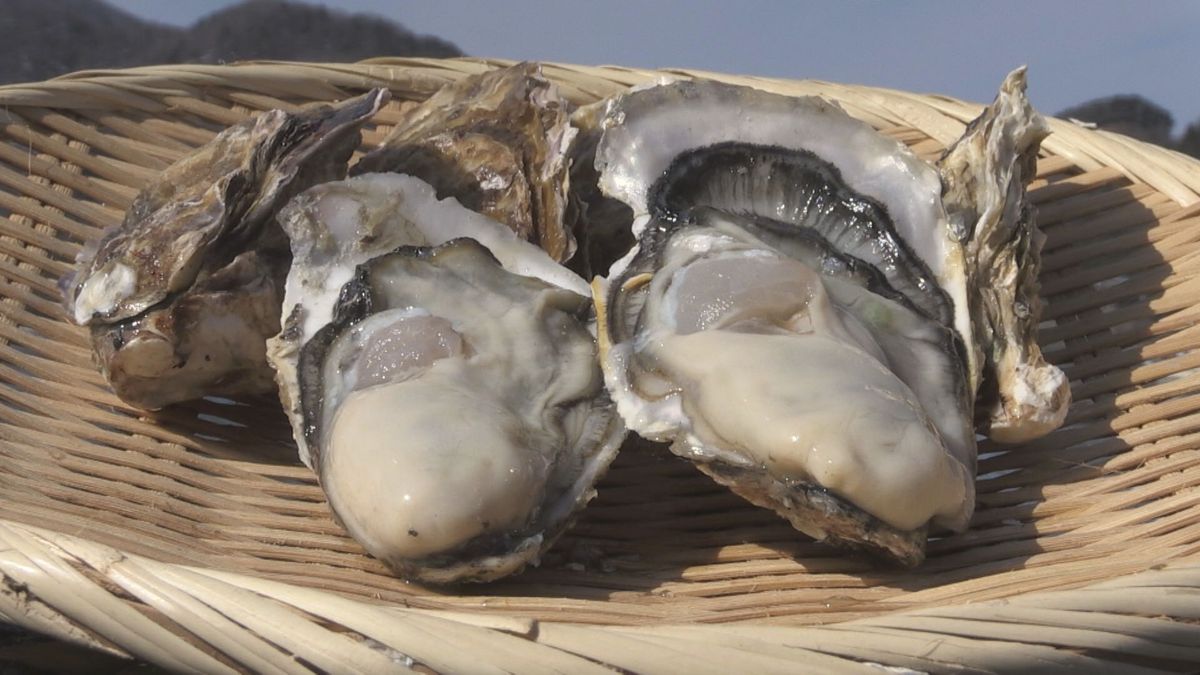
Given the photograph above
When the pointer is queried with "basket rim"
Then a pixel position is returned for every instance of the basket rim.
(56, 583)
(1168, 171)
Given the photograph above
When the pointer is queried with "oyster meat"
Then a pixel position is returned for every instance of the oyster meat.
(335, 227)
(796, 315)
(497, 143)
(785, 377)
(181, 296)
(441, 378)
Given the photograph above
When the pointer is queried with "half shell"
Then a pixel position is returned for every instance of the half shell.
(794, 315)
(441, 379)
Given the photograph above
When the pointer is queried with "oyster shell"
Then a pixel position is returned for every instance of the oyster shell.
(497, 143)
(181, 296)
(396, 323)
(985, 173)
(601, 224)
(816, 258)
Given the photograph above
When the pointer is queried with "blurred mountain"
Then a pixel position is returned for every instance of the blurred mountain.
(1137, 117)
(1126, 114)
(275, 29)
(1190, 142)
(44, 39)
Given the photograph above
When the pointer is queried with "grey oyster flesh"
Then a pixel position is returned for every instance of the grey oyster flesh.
(181, 296)
(784, 376)
(805, 203)
(497, 143)
(337, 226)
(455, 412)
(800, 161)
(985, 173)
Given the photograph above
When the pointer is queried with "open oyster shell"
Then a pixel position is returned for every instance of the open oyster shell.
(441, 379)
(703, 143)
(497, 143)
(181, 296)
(794, 316)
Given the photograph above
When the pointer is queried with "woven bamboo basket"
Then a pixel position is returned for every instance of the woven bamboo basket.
(194, 539)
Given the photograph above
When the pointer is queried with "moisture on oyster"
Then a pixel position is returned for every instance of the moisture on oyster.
(441, 379)
(795, 316)
(182, 295)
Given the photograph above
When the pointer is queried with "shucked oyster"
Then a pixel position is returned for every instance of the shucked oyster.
(789, 380)
(181, 297)
(497, 143)
(447, 393)
(795, 316)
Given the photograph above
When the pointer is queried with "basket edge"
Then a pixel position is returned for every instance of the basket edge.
(942, 118)
(99, 597)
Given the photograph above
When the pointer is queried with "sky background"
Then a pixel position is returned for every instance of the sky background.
(1076, 51)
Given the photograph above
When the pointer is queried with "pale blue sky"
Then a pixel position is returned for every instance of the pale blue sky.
(1075, 50)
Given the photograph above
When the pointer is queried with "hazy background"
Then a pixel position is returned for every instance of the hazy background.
(1076, 51)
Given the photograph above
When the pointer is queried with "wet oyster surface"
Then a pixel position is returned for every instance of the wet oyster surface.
(497, 143)
(441, 377)
(428, 335)
(337, 226)
(799, 313)
(181, 296)
(798, 387)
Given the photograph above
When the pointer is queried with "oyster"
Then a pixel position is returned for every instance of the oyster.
(337, 226)
(181, 296)
(985, 173)
(794, 316)
(441, 379)
(497, 143)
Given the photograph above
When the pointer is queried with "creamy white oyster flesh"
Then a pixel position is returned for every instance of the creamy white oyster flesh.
(455, 412)
(799, 161)
(755, 361)
(985, 174)
(336, 226)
